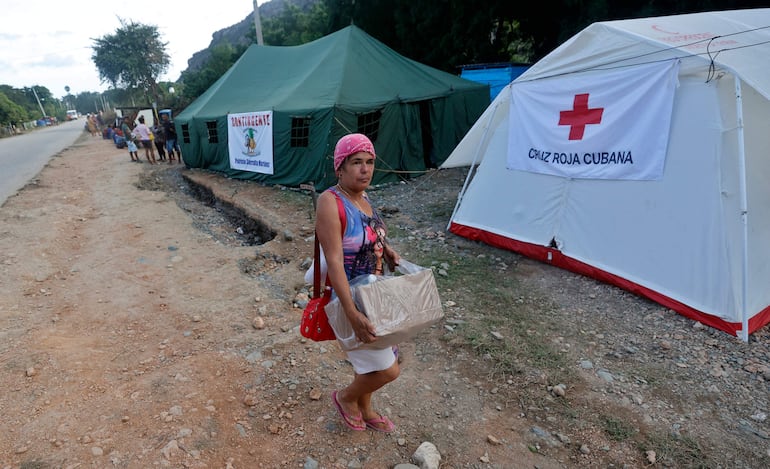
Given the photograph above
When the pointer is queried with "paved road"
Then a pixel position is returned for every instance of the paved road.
(23, 156)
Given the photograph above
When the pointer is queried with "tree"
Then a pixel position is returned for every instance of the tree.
(88, 102)
(294, 26)
(134, 57)
(444, 34)
(448, 33)
(10, 112)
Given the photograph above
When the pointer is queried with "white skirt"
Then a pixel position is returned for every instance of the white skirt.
(368, 361)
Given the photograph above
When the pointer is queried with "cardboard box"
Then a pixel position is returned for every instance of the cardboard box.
(398, 306)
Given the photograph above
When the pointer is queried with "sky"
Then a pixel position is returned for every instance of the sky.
(48, 42)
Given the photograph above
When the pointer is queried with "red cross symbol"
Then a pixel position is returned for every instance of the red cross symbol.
(580, 116)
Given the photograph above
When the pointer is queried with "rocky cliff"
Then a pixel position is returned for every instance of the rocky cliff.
(238, 34)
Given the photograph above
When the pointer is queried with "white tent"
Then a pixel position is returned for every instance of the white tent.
(696, 236)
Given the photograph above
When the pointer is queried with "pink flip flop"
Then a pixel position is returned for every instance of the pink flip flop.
(352, 422)
(375, 424)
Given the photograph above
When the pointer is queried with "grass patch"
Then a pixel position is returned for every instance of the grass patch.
(678, 452)
(503, 323)
(397, 232)
(442, 211)
(34, 465)
(617, 429)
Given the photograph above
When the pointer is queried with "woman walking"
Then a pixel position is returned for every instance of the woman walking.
(358, 250)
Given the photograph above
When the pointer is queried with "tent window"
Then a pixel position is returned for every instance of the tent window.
(186, 133)
(211, 128)
(300, 132)
(369, 124)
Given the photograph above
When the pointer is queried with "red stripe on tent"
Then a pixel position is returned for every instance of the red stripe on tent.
(759, 320)
(555, 257)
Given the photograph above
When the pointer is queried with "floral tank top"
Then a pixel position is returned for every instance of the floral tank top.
(363, 239)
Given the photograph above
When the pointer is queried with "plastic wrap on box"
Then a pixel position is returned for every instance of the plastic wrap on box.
(399, 307)
(339, 322)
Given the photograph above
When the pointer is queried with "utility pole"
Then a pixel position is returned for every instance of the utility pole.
(38, 101)
(258, 24)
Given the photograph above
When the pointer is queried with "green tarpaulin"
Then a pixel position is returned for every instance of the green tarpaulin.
(344, 82)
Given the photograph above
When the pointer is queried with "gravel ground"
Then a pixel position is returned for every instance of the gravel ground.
(692, 396)
(149, 319)
(704, 391)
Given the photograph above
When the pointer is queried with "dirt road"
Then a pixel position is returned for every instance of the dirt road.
(136, 331)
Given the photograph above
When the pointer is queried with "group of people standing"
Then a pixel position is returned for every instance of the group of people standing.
(161, 137)
(94, 123)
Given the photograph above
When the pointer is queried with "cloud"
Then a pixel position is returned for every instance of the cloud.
(49, 42)
(61, 34)
(56, 61)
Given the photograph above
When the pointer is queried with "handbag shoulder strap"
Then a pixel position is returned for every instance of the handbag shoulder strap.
(317, 249)
(341, 212)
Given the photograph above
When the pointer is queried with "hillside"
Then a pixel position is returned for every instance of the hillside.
(242, 32)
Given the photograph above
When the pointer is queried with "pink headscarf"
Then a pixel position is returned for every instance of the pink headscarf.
(349, 145)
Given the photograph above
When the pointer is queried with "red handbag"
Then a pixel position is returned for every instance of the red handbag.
(314, 324)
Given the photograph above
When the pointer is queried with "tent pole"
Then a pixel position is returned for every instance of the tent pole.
(473, 164)
(744, 335)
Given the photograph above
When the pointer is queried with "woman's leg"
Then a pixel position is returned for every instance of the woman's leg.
(357, 396)
(161, 152)
(178, 152)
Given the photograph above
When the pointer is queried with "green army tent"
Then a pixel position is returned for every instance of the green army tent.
(276, 114)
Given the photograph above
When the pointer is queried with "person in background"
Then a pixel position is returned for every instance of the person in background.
(91, 125)
(144, 134)
(349, 255)
(160, 142)
(117, 137)
(108, 132)
(132, 148)
(171, 143)
(125, 128)
(100, 120)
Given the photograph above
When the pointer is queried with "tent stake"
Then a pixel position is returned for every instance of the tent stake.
(311, 187)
